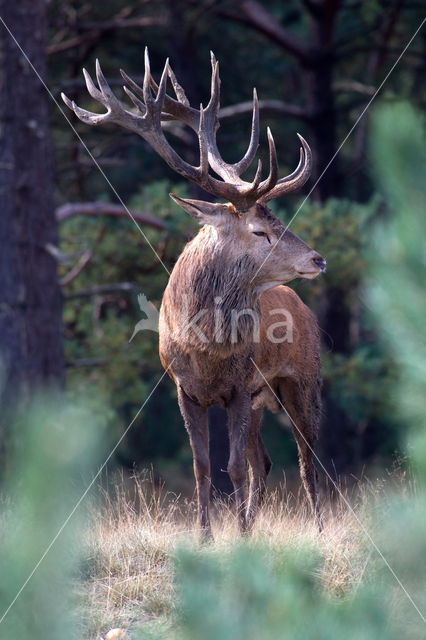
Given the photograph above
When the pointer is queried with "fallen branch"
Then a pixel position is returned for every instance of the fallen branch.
(95, 29)
(82, 262)
(77, 268)
(71, 43)
(254, 15)
(87, 362)
(119, 287)
(106, 209)
(276, 106)
(124, 23)
(353, 86)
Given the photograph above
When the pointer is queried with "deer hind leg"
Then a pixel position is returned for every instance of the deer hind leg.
(196, 423)
(302, 402)
(238, 427)
(260, 465)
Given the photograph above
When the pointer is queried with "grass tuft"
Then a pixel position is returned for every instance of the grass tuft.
(138, 530)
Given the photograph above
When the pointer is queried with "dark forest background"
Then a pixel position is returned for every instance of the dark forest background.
(72, 261)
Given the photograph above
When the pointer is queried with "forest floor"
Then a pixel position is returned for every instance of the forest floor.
(133, 538)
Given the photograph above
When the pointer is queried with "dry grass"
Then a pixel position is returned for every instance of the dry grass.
(132, 538)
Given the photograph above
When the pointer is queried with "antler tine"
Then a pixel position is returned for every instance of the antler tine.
(249, 155)
(103, 84)
(204, 157)
(67, 101)
(171, 109)
(214, 102)
(257, 178)
(297, 178)
(91, 87)
(211, 124)
(115, 111)
(85, 116)
(179, 109)
(150, 83)
(272, 178)
(159, 100)
(178, 89)
(306, 167)
(138, 103)
(231, 172)
(137, 90)
(102, 96)
(147, 94)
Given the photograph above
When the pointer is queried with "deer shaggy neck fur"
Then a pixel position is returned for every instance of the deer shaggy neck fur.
(212, 288)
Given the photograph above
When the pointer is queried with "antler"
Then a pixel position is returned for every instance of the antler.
(152, 110)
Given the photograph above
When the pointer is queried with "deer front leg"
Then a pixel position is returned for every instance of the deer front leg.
(196, 423)
(238, 427)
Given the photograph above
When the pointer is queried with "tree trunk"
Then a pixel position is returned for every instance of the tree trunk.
(322, 126)
(319, 69)
(31, 354)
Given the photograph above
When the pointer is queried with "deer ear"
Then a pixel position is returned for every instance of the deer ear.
(205, 212)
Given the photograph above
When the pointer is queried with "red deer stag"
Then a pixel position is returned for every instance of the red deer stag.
(226, 278)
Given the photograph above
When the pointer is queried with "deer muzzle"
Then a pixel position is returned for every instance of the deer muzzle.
(320, 263)
(311, 266)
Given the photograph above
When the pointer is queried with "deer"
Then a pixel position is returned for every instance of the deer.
(230, 275)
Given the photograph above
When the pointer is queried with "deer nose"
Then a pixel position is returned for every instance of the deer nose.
(319, 262)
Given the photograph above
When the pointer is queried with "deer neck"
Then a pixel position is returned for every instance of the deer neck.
(210, 302)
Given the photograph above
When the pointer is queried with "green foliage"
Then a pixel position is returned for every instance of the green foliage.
(395, 292)
(248, 592)
(338, 229)
(98, 327)
(58, 448)
(398, 261)
(354, 380)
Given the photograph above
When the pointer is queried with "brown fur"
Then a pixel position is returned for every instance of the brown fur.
(223, 264)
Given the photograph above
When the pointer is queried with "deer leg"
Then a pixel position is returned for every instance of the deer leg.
(238, 427)
(260, 465)
(302, 401)
(196, 423)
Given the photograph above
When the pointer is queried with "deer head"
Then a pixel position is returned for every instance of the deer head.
(276, 254)
(244, 224)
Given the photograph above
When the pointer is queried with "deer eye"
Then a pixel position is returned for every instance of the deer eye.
(262, 234)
